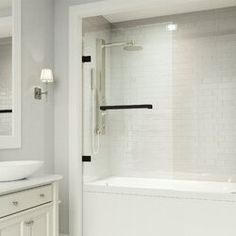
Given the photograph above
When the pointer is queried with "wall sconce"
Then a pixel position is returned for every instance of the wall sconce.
(46, 77)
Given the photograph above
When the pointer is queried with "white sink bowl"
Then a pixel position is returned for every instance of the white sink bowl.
(16, 170)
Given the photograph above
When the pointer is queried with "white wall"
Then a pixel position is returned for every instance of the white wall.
(37, 116)
(61, 103)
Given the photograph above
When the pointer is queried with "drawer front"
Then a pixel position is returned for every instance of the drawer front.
(20, 201)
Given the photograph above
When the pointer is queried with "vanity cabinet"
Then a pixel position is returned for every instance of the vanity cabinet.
(39, 223)
(36, 223)
(30, 212)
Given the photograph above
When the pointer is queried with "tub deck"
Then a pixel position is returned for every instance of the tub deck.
(164, 187)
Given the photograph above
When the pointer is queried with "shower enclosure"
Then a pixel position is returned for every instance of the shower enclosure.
(117, 91)
(158, 98)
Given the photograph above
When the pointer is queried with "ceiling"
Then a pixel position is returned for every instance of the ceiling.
(5, 3)
(152, 8)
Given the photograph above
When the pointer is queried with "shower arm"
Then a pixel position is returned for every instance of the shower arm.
(116, 44)
(126, 107)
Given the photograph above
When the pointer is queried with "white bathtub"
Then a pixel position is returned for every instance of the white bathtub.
(148, 186)
(119, 206)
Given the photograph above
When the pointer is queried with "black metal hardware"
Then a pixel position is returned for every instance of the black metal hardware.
(6, 111)
(86, 59)
(86, 158)
(123, 107)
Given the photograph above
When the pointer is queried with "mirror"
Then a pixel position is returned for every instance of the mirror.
(10, 74)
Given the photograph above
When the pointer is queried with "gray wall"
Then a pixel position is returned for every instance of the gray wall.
(37, 116)
(5, 11)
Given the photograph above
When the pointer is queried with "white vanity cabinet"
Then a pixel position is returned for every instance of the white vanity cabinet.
(36, 223)
(39, 223)
(30, 212)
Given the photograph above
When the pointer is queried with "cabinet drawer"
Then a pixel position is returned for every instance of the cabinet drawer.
(20, 201)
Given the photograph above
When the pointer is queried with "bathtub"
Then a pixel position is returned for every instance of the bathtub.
(120, 206)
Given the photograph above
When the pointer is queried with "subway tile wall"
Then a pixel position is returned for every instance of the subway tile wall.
(5, 85)
(204, 92)
(190, 78)
(142, 140)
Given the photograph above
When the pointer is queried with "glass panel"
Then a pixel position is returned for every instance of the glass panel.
(137, 70)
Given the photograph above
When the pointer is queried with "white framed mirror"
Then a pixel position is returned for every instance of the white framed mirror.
(10, 74)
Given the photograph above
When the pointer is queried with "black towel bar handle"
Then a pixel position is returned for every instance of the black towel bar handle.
(126, 107)
(6, 111)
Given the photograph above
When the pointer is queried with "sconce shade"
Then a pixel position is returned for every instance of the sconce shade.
(46, 76)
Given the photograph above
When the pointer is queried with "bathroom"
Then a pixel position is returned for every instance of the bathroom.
(137, 137)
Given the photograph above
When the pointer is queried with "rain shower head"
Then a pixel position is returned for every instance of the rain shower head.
(131, 46)
(128, 46)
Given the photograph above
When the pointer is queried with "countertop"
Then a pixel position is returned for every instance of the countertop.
(32, 182)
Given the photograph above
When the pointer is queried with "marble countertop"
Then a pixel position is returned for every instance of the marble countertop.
(32, 182)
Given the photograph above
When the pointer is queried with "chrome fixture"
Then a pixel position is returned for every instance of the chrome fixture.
(99, 81)
(98, 88)
(98, 84)
(46, 77)
(128, 46)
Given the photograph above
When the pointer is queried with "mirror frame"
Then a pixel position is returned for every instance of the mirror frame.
(14, 141)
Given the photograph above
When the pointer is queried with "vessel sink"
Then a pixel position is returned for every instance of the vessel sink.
(16, 170)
